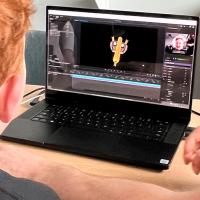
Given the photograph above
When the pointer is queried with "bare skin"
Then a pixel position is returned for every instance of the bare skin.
(192, 150)
(72, 184)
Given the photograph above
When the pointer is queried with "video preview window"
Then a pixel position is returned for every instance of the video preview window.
(177, 43)
(121, 47)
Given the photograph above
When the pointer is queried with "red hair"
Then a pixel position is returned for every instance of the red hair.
(14, 23)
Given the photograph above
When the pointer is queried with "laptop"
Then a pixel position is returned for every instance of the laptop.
(118, 86)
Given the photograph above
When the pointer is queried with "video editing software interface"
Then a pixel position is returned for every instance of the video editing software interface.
(134, 58)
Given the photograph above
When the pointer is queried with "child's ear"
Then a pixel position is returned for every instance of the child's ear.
(11, 93)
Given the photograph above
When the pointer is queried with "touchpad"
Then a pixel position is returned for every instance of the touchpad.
(84, 139)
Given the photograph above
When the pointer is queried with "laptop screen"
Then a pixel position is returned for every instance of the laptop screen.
(121, 55)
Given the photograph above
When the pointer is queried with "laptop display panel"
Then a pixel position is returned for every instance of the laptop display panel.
(127, 57)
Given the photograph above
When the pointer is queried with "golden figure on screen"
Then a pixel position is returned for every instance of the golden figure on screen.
(118, 47)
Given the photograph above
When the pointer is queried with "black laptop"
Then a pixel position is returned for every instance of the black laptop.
(119, 86)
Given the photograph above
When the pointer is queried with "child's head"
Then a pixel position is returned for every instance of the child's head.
(14, 23)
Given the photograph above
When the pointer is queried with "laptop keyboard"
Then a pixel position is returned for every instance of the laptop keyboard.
(113, 123)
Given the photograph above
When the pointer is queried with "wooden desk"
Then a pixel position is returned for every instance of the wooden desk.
(178, 177)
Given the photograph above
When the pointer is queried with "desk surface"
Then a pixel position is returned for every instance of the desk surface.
(178, 177)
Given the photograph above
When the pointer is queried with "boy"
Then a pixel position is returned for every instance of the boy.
(67, 182)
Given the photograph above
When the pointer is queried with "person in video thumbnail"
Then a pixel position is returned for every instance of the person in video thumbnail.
(179, 42)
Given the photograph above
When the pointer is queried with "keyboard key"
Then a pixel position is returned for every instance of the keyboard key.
(36, 119)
